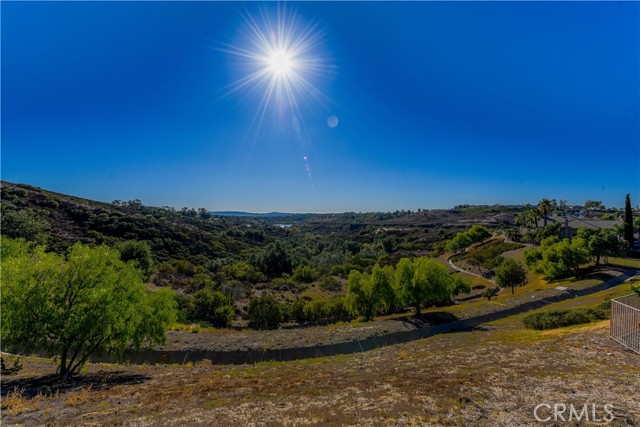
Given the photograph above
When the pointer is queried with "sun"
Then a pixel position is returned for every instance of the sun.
(280, 63)
(279, 57)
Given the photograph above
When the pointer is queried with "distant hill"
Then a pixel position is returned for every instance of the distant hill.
(260, 215)
(60, 220)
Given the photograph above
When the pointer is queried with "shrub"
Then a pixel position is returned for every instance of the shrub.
(139, 253)
(562, 318)
(264, 312)
(213, 307)
(305, 274)
(491, 292)
(330, 283)
(296, 311)
(316, 310)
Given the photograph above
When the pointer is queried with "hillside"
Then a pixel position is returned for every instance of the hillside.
(172, 234)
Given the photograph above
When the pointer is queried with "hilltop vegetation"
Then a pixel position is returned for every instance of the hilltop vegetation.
(238, 271)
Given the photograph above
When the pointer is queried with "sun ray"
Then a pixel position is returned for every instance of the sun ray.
(282, 57)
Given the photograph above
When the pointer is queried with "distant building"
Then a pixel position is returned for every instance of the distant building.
(575, 222)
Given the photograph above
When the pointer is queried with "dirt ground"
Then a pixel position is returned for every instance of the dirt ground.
(493, 376)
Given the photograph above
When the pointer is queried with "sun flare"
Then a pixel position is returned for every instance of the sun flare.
(280, 63)
(280, 58)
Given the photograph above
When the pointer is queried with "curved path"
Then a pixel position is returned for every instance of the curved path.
(357, 346)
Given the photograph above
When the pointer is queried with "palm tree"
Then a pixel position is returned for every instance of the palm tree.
(545, 206)
(533, 216)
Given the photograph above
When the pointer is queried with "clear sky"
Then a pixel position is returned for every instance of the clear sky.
(437, 104)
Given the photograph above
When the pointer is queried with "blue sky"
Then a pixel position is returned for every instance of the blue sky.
(437, 104)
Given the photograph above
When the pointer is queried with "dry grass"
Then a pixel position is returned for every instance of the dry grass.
(80, 397)
(489, 377)
(15, 403)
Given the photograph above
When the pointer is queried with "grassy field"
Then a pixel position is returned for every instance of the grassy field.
(624, 262)
(492, 376)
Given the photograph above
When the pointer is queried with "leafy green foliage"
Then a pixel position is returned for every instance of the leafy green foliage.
(477, 233)
(212, 307)
(556, 258)
(487, 255)
(139, 253)
(425, 282)
(305, 274)
(25, 224)
(370, 294)
(274, 261)
(628, 221)
(491, 292)
(562, 318)
(89, 302)
(511, 273)
(601, 242)
(264, 312)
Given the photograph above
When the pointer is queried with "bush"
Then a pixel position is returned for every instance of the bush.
(316, 310)
(139, 253)
(264, 312)
(212, 307)
(562, 318)
(305, 274)
(330, 283)
(491, 292)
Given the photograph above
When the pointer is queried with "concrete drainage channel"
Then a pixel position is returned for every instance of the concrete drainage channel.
(295, 353)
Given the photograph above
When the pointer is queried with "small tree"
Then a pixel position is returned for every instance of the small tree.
(213, 307)
(72, 308)
(628, 221)
(434, 279)
(138, 252)
(491, 292)
(264, 312)
(478, 233)
(369, 294)
(511, 273)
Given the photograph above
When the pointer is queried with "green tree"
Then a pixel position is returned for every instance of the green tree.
(424, 281)
(89, 302)
(370, 294)
(545, 206)
(593, 205)
(435, 281)
(458, 243)
(305, 274)
(511, 273)
(264, 312)
(25, 224)
(408, 292)
(275, 260)
(556, 258)
(478, 233)
(138, 252)
(628, 221)
(213, 307)
(600, 242)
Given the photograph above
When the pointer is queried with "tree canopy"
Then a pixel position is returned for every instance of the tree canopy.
(71, 307)
(511, 273)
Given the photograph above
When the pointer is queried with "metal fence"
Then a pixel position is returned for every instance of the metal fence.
(625, 321)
